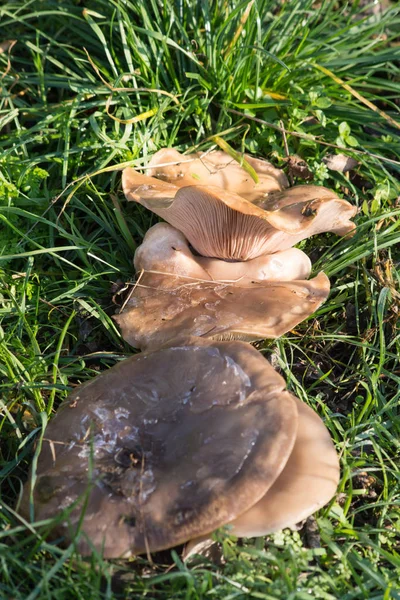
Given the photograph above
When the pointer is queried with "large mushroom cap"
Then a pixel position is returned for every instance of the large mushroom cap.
(222, 224)
(308, 481)
(163, 307)
(166, 250)
(218, 169)
(164, 447)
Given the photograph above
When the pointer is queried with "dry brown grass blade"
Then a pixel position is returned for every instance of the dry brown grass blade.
(141, 117)
(239, 30)
(7, 46)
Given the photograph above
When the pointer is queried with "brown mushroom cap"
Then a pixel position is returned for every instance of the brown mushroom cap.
(222, 224)
(308, 481)
(163, 307)
(166, 250)
(164, 447)
(218, 169)
(327, 207)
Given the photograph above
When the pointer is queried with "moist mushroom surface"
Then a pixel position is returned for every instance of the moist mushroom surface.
(164, 447)
(308, 481)
(221, 224)
(163, 307)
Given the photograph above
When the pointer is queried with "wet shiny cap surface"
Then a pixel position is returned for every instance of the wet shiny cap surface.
(164, 447)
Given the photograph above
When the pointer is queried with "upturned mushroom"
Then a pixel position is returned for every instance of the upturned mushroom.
(170, 445)
(221, 224)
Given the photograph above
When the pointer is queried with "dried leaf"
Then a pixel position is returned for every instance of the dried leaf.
(6, 45)
(340, 162)
(299, 168)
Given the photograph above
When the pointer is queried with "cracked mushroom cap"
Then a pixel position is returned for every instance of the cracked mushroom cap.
(222, 224)
(166, 250)
(219, 169)
(164, 447)
(308, 481)
(163, 307)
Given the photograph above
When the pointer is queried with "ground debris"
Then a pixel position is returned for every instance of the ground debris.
(340, 162)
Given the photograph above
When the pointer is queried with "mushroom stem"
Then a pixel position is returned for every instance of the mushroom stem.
(166, 250)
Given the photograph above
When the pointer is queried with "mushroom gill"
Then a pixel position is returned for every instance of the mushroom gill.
(218, 169)
(164, 447)
(221, 224)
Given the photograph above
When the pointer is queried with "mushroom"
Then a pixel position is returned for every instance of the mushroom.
(320, 202)
(163, 447)
(218, 169)
(308, 481)
(162, 307)
(178, 293)
(166, 250)
(221, 224)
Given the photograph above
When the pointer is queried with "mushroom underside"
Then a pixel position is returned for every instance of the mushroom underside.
(221, 224)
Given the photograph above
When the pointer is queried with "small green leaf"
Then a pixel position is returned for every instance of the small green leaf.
(340, 142)
(323, 102)
(344, 129)
(375, 204)
(352, 141)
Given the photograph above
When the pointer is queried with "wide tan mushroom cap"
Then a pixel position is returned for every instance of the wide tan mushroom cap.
(163, 307)
(222, 224)
(217, 169)
(308, 481)
(164, 447)
(166, 250)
